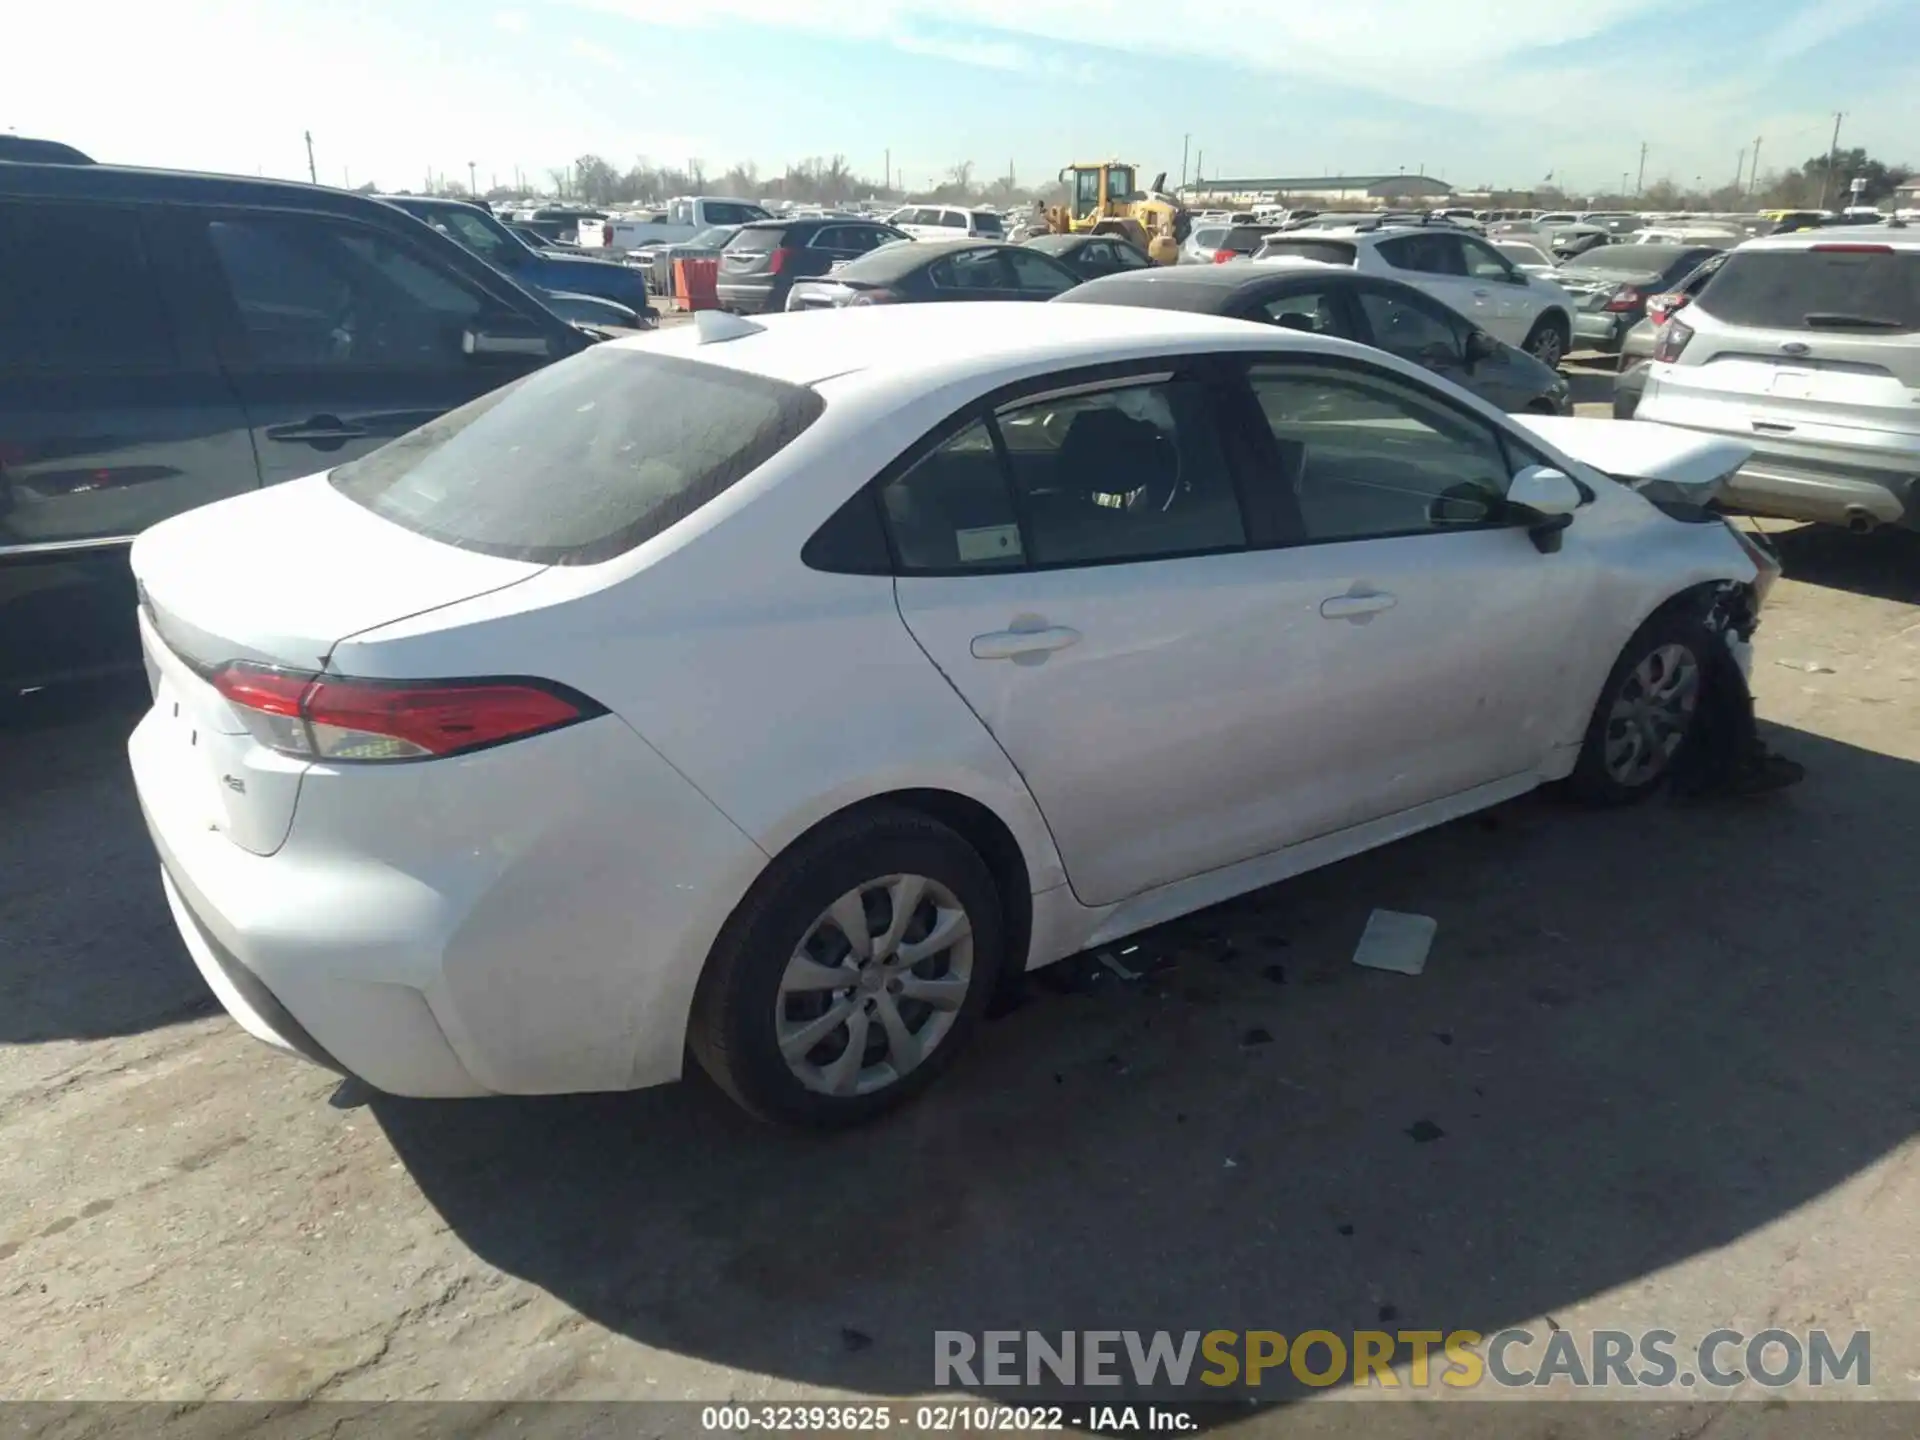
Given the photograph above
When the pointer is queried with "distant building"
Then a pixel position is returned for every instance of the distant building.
(1324, 189)
(1907, 194)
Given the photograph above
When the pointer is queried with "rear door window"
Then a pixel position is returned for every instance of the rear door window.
(1034, 274)
(77, 290)
(971, 270)
(1865, 289)
(1428, 254)
(985, 222)
(581, 461)
(757, 239)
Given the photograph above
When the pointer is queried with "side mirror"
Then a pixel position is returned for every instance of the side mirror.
(1480, 347)
(1545, 491)
(1548, 497)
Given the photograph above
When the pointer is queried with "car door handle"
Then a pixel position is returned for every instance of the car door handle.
(1355, 607)
(316, 430)
(1006, 644)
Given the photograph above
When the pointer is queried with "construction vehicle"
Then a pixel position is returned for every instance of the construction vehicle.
(1102, 200)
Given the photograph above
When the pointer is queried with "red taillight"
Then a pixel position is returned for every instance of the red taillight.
(330, 717)
(1661, 307)
(1220, 257)
(1625, 298)
(777, 260)
(877, 295)
(1851, 249)
(1671, 341)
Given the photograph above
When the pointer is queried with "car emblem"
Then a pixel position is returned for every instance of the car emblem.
(1794, 347)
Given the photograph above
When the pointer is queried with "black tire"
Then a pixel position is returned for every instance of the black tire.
(733, 1030)
(1593, 782)
(1548, 341)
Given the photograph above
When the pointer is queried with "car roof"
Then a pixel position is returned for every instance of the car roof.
(894, 261)
(1055, 244)
(870, 348)
(126, 182)
(1894, 237)
(1207, 289)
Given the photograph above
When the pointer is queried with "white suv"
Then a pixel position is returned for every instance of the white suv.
(1806, 347)
(947, 222)
(1461, 271)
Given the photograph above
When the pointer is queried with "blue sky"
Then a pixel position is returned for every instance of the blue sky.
(1475, 91)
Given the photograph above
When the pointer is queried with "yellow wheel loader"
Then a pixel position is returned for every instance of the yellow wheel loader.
(1102, 199)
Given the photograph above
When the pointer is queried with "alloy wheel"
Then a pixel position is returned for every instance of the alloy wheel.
(1651, 715)
(875, 985)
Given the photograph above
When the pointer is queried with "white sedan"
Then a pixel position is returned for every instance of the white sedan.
(774, 689)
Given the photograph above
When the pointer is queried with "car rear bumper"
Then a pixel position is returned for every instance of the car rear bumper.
(530, 923)
(745, 297)
(1600, 330)
(1796, 489)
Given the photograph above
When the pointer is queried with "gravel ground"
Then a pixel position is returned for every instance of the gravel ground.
(1669, 1051)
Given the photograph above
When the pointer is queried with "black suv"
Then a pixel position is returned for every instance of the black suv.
(169, 339)
(764, 257)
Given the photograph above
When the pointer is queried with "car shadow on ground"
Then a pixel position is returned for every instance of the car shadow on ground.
(1884, 565)
(1642, 1034)
(87, 947)
(1590, 380)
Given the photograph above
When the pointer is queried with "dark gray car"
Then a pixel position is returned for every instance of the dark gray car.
(1611, 286)
(1637, 348)
(1369, 309)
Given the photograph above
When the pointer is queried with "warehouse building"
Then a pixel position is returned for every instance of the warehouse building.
(1356, 190)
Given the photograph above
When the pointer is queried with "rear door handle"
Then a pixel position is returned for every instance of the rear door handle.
(1355, 607)
(317, 430)
(1006, 644)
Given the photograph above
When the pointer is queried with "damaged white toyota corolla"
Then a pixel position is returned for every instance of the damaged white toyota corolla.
(770, 691)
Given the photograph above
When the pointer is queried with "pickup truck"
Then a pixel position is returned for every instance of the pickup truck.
(681, 220)
(544, 272)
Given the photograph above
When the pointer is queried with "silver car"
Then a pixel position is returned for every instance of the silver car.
(1807, 347)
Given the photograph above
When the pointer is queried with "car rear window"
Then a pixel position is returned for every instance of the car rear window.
(1333, 252)
(1246, 238)
(758, 237)
(985, 222)
(1208, 238)
(1630, 257)
(1822, 288)
(583, 460)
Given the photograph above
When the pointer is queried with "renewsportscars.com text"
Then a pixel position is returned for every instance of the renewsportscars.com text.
(1391, 1359)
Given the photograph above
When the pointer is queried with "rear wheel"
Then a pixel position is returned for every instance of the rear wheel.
(1547, 341)
(1646, 714)
(854, 974)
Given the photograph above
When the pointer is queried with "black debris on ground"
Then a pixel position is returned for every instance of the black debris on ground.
(1421, 1131)
(1258, 1035)
(1276, 973)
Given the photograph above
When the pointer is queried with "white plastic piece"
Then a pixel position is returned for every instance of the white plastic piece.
(1396, 941)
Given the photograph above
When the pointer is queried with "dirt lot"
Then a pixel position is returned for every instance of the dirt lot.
(1670, 1051)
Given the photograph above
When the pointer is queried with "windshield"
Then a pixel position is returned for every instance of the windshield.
(1823, 288)
(583, 460)
(1119, 181)
(713, 237)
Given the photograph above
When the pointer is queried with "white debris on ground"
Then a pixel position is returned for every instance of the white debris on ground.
(1396, 941)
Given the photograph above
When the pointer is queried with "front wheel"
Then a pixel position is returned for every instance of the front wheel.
(1646, 713)
(1548, 340)
(854, 974)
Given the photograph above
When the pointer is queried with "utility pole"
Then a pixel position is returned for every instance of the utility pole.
(1640, 181)
(1753, 175)
(1739, 167)
(1833, 156)
(1185, 140)
(312, 174)
(473, 185)
(1199, 163)
(886, 181)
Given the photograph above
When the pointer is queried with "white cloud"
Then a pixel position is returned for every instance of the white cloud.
(594, 54)
(514, 22)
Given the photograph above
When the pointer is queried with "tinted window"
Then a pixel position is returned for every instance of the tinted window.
(1362, 457)
(969, 270)
(1245, 239)
(1036, 274)
(1630, 258)
(1522, 253)
(1128, 258)
(1818, 289)
(1331, 252)
(582, 460)
(316, 292)
(1123, 474)
(986, 223)
(756, 239)
(76, 290)
(1209, 238)
(953, 219)
(1312, 312)
(476, 232)
(1428, 254)
(719, 212)
(1424, 334)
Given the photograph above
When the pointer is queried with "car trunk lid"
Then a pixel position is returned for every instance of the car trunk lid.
(276, 577)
